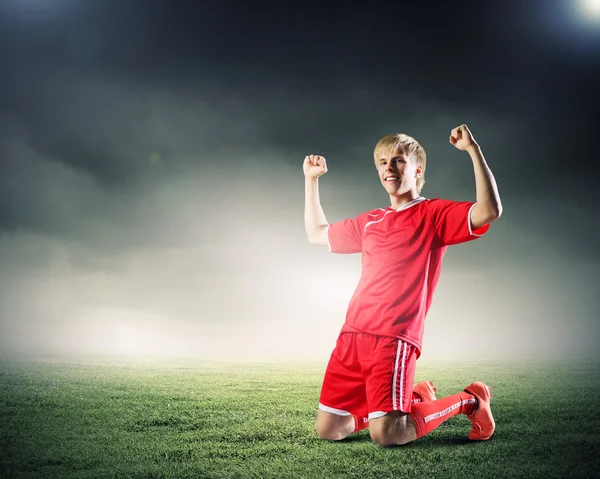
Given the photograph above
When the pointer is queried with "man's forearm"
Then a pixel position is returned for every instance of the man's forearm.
(488, 198)
(314, 217)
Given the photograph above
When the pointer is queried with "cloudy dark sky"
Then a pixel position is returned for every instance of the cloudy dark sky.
(151, 187)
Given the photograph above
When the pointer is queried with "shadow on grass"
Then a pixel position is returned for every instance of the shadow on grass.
(355, 438)
(420, 444)
(448, 441)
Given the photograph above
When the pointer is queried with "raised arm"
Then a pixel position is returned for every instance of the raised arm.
(314, 217)
(489, 206)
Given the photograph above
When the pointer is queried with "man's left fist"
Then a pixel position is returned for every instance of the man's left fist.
(462, 138)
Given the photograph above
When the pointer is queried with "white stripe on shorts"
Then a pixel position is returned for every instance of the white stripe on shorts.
(397, 393)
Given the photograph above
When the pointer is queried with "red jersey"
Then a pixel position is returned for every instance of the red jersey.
(402, 253)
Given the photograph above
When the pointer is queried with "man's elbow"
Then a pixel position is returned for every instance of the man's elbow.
(493, 214)
(484, 215)
(497, 211)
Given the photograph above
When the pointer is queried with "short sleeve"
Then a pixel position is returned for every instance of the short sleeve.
(345, 237)
(452, 220)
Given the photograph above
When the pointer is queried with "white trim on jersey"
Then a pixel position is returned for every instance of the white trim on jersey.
(373, 214)
(402, 208)
(332, 410)
(412, 203)
(380, 219)
(469, 221)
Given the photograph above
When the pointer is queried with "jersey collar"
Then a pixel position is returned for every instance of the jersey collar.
(417, 200)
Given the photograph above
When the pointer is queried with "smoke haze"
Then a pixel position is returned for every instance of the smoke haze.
(157, 209)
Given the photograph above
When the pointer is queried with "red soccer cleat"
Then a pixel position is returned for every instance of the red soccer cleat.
(425, 390)
(482, 419)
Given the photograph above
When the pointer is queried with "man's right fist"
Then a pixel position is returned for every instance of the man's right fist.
(314, 166)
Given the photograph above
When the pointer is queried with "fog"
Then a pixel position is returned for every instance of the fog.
(140, 220)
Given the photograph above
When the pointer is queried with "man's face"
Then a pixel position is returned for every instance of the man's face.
(397, 172)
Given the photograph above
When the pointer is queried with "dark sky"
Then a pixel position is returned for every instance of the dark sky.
(151, 187)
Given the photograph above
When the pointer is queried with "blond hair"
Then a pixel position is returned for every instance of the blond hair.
(389, 144)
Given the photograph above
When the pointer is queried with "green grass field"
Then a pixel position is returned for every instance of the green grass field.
(240, 420)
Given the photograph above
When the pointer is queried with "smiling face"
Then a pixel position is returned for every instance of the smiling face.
(400, 162)
(398, 172)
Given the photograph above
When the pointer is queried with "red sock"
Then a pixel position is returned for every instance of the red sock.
(429, 415)
(360, 422)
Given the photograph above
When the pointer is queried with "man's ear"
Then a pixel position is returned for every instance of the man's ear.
(419, 171)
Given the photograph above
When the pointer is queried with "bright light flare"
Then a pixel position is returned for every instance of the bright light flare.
(591, 8)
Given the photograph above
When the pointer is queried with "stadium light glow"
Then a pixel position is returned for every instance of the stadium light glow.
(591, 8)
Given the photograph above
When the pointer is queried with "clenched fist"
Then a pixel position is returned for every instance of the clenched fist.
(314, 166)
(462, 138)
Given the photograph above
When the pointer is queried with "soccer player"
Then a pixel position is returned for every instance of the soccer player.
(369, 378)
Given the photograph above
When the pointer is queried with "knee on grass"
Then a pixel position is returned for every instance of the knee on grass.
(332, 427)
(392, 430)
(329, 433)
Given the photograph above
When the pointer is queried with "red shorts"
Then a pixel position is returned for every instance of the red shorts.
(369, 376)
